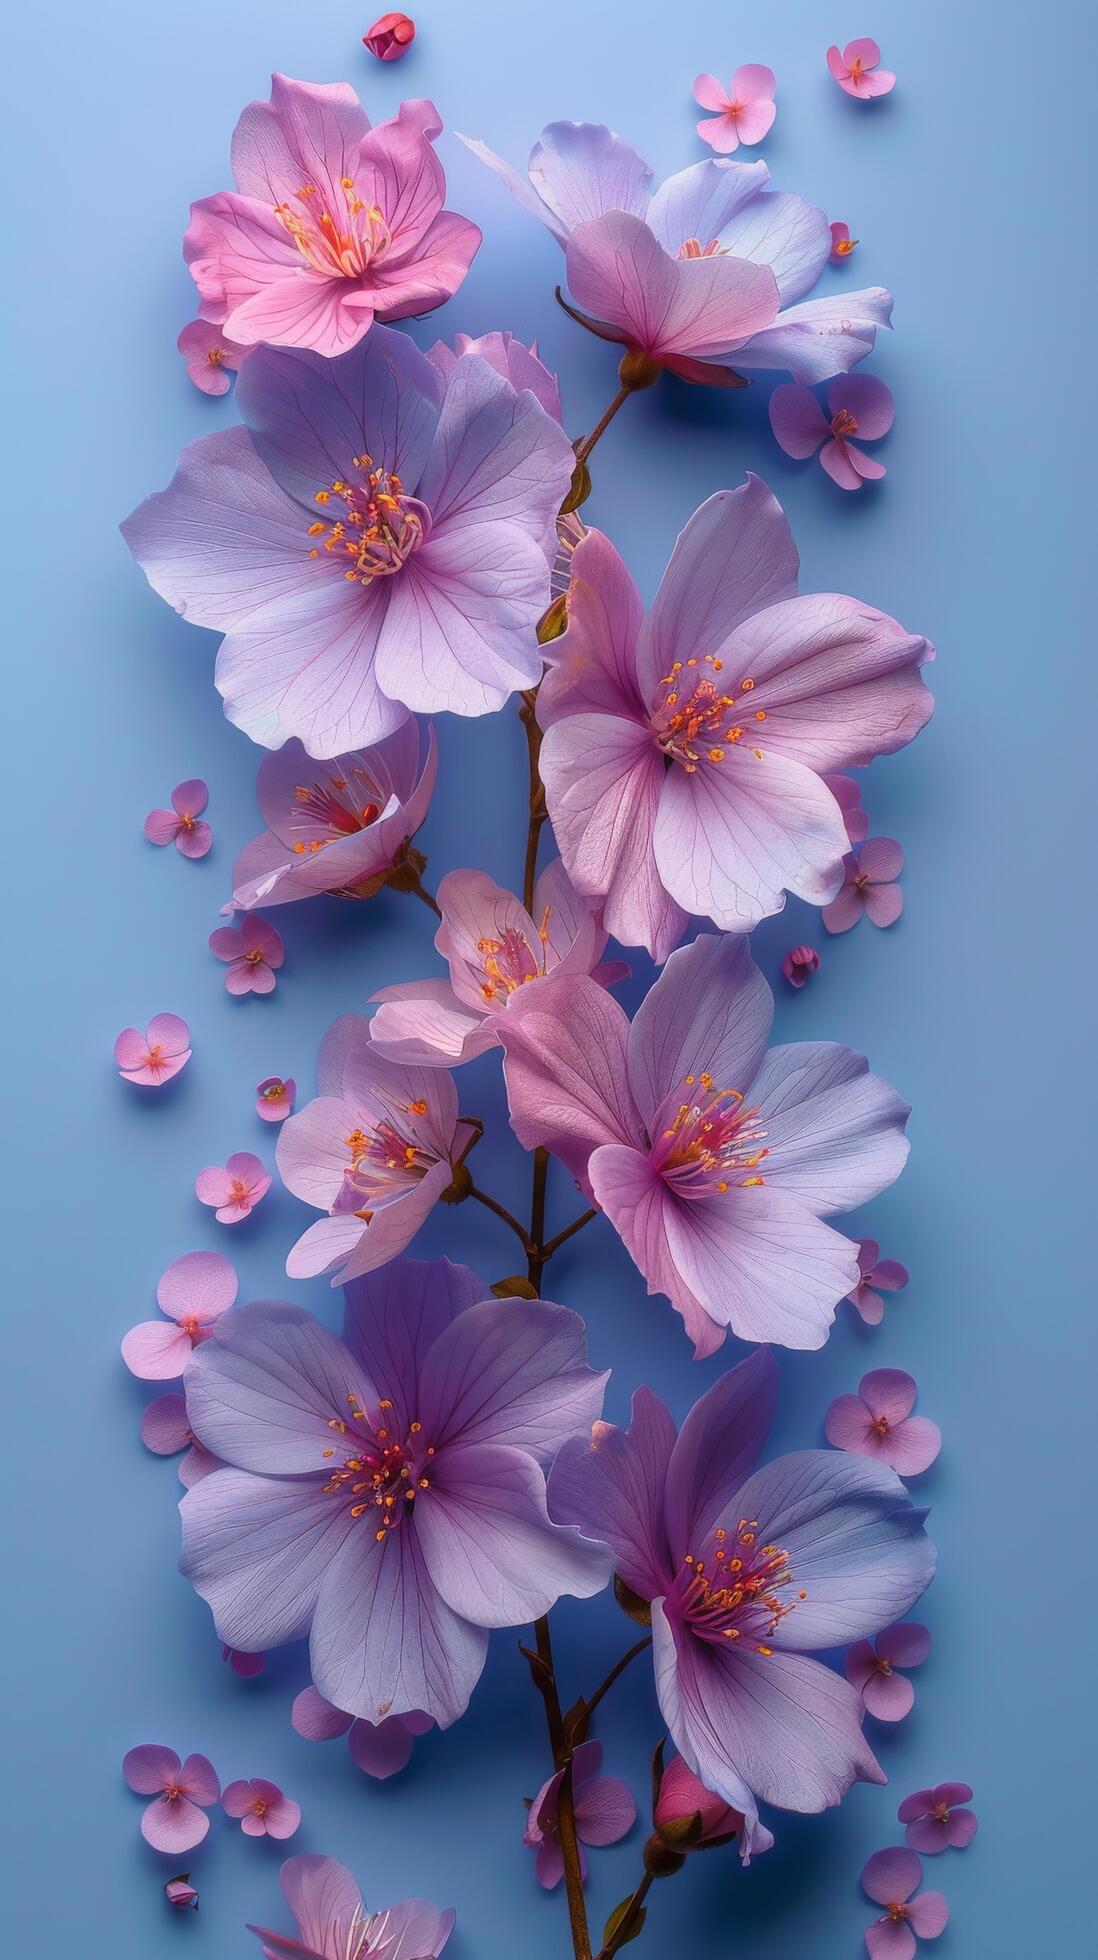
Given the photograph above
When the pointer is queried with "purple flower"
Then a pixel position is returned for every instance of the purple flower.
(715, 1161)
(192, 1293)
(386, 1493)
(332, 223)
(688, 1817)
(379, 1749)
(745, 1574)
(376, 1150)
(261, 1807)
(377, 539)
(165, 1431)
(336, 826)
(697, 269)
(181, 824)
(685, 749)
(334, 1924)
(153, 1058)
(233, 1189)
(848, 796)
(274, 1098)
(878, 1422)
(886, 1274)
(868, 887)
(210, 357)
(177, 1821)
(891, 1879)
(254, 952)
(604, 1810)
(799, 964)
(871, 1667)
(493, 947)
(858, 405)
(936, 1819)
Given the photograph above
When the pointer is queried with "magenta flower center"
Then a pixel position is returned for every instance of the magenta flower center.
(380, 1159)
(238, 1190)
(691, 721)
(704, 1145)
(255, 956)
(380, 528)
(692, 248)
(733, 1593)
(510, 962)
(897, 1910)
(880, 1426)
(339, 805)
(342, 243)
(940, 1813)
(844, 424)
(384, 1471)
(215, 356)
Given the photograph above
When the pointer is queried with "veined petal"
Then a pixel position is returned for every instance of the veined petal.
(567, 1084)
(394, 1317)
(761, 1264)
(835, 1132)
(267, 1390)
(613, 1488)
(257, 1549)
(510, 1372)
(708, 1013)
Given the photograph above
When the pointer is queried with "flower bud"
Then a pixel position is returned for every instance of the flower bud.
(390, 37)
(637, 369)
(799, 964)
(687, 1816)
(180, 1893)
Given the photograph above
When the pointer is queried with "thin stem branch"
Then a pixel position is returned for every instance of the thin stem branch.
(535, 1253)
(601, 426)
(420, 891)
(619, 1938)
(569, 1232)
(501, 1211)
(566, 1809)
(616, 1671)
(538, 811)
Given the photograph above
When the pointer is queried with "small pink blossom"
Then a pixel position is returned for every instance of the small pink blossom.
(878, 1422)
(891, 1879)
(247, 1666)
(886, 1274)
(934, 1820)
(871, 1667)
(254, 951)
(193, 1293)
(856, 69)
(154, 1057)
(841, 243)
(261, 1807)
(180, 1893)
(848, 796)
(799, 964)
(390, 36)
(379, 1749)
(858, 405)
(165, 1431)
(184, 1792)
(604, 1812)
(234, 1189)
(688, 1817)
(209, 356)
(181, 824)
(275, 1097)
(869, 886)
(744, 113)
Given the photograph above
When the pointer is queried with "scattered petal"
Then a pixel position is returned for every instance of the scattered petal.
(153, 1058)
(841, 243)
(744, 112)
(877, 1422)
(390, 36)
(856, 69)
(275, 1098)
(209, 355)
(233, 1189)
(799, 964)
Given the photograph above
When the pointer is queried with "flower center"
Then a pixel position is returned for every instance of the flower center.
(380, 528)
(190, 1327)
(261, 1806)
(897, 1911)
(940, 1813)
(384, 1471)
(186, 822)
(339, 806)
(733, 1593)
(845, 246)
(706, 1144)
(509, 962)
(215, 356)
(692, 722)
(275, 1093)
(341, 243)
(255, 956)
(173, 1792)
(879, 1426)
(239, 1191)
(844, 424)
(383, 1162)
(692, 248)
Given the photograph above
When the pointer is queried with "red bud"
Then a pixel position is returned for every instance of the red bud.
(390, 37)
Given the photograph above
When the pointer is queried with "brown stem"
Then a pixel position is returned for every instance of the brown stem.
(501, 1211)
(566, 1810)
(536, 1254)
(619, 1938)
(420, 891)
(538, 812)
(569, 1232)
(586, 446)
(604, 1687)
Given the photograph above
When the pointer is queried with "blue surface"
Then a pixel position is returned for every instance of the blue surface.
(961, 188)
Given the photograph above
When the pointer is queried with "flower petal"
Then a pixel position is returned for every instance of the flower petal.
(257, 1550)
(613, 1488)
(761, 1265)
(201, 1285)
(174, 1824)
(591, 667)
(709, 1012)
(150, 1767)
(619, 273)
(156, 1351)
(717, 1445)
(393, 1318)
(834, 1132)
(798, 421)
(891, 1876)
(511, 1372)
(268, 1392)
(565, 1067)
(580, 170)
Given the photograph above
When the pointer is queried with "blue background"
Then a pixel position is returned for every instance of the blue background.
(961, 188)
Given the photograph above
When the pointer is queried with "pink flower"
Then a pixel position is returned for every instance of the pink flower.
(332, 223)
(154, 1057)
(165, 1430)
(180, 1893)
(180, 825)
(868, 887)
(177, 1820)
(275, 1098)
(841, 243)
(743, 115)
(390, 36)
(934, 1822)
(234, 1189)
(193, 1293)
(848, 796)
(209, 356)
(878, 1422)
(891, 1879)
(857, 73)
(604, 1809)
(887, 1274)
(261, 1807)
(688, 1817)
(858, 404)
(254, 951)
(799, 964)
(494, 948)
(247, 1666)
(379, 1749)
(870, 1666)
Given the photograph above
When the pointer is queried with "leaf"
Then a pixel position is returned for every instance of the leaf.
(631, 1603)
(516, 1287)
(627, 1914)
(578, 490)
